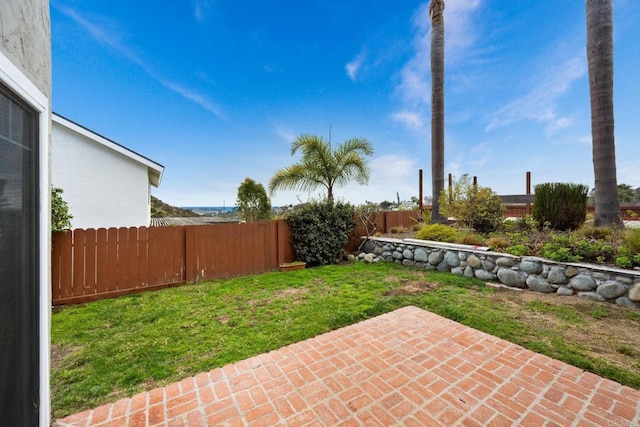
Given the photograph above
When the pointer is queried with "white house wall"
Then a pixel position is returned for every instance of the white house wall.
(102, 187)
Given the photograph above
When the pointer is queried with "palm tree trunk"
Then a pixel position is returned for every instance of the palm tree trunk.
(436, 10)
(600, 59)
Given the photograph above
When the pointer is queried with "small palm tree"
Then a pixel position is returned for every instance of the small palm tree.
(322, 166)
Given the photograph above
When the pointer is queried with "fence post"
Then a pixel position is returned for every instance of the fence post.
(528, 192)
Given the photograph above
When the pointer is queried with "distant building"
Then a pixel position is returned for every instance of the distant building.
(104, 183)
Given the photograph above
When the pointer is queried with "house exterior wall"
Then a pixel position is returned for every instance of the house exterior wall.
(103, 188)
(25, 38)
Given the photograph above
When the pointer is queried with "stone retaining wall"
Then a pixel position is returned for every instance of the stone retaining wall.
(589, 281)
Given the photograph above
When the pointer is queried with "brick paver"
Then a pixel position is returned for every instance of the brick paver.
(408, 367)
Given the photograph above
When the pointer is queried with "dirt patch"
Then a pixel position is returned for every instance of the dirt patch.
(289, 292)
(409, 286)
(603, 330)
(412, 288)
(59, 353)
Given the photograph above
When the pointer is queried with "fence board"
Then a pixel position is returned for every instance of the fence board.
(77, 286)
(112, 265)
(132, 260)
(102, 260)
(89, 261)
(123, 258)
(66, 260)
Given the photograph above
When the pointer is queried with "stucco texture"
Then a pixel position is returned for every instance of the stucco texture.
(25, 38)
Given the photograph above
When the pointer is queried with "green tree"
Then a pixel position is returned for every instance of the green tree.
(60, 216)
(253, 203)
(323, 166)
(626, 193)
(474, 206)
(436, 13)
(600, 61)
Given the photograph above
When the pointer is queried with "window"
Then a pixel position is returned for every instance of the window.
(19, 261)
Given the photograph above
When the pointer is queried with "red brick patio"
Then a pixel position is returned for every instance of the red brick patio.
(409, 367)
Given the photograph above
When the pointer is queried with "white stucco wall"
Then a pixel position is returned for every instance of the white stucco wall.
(103, 188)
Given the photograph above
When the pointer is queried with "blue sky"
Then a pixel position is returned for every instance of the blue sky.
(216, 90)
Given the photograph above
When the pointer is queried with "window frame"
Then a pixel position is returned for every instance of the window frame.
(16, 81)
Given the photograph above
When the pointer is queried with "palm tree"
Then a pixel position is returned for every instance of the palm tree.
(436, 9)
(322, 166)
(600, 59)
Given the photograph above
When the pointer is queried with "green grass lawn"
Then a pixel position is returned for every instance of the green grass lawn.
(113, 348)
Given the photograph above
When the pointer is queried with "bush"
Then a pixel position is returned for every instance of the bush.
(321, 230)
(497, 243)
(632, 239)
(562, 205)
(60, 216)
(438, 233)
(474, 206)
(593, 232)
(470, 239)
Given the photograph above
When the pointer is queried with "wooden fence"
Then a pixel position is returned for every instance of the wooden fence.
(94, 264)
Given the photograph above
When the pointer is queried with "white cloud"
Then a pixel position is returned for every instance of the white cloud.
(200, 9)
(354, 66)
(539, 104)
(107, 34)
(414, 88)
(410, 119)
(286, 133)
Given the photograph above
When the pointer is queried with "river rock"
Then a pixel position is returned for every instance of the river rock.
(571, 271)
(626, 302)
(634, 293)
(408, 262)
(563, 290)
(487, 264)
(512, 278)
(452, 259)
(582, 282)
(369, 258)
(407, 254)
(473, 261)
(420, 255)
(530, 266)
(506, 262)
(443, 266)
(436, 257)
(484, 275)
(457, 271)
(468, 272)
(397, 255)
(557, 276)
(539, 284)
(591, 295)
(611, 289)
(377, 251)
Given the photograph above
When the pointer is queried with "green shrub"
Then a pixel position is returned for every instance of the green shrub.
(632, 239)
(321, 230)
(562, 205)
(474, 206)
(593, 232)
(497, 243)
(438, 233)
(517, 250)
(470, 239)
(60, 216)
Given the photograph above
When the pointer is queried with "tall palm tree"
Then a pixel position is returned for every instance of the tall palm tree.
(600, 59)
(322, 166)
(436, 10)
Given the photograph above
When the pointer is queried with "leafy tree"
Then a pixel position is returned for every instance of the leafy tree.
(474, 206)
(60, 216)
(323, 166)
(626, 194)
(600, 61)
(436, 13)
(253, 202)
